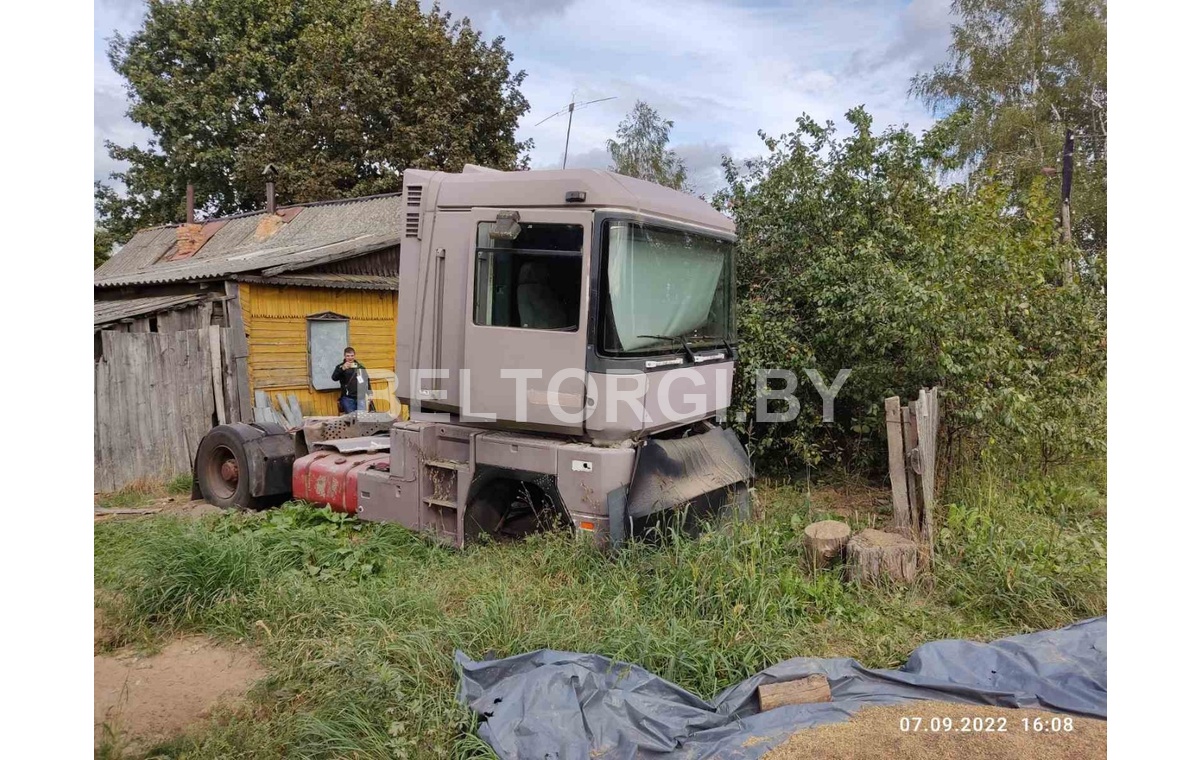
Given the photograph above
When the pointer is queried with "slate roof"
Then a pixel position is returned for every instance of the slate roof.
(303, 236)
(106, 312)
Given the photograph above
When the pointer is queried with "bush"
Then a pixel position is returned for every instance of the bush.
(852, 255)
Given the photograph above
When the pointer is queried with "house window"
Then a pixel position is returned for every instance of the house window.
(328, 336)
(531, 282)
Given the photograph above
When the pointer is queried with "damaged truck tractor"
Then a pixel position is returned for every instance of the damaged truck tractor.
(529, 304)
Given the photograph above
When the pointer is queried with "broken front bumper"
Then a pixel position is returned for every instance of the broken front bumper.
(695, 478)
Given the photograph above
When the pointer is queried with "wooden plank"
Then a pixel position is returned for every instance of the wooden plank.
(901, 517)
(214, 349)
(204, 311)
(285, 411)
(807, 690)
(101, 476)
(908, 424)
(171, 377)
(240, 347)
(927, 443)
(151, 511)
(233, 406)
(138, 380)
(294, 403)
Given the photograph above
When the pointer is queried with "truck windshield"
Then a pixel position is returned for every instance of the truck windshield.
(664, 288)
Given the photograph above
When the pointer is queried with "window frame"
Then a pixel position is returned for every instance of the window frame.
(326, 317)
(490, 251)
(597, 361)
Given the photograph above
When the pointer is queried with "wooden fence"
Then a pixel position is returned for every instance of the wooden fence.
(912, 432)
(156, 396)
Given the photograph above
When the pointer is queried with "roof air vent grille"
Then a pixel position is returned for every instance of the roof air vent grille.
(413, 195)
(412, 224)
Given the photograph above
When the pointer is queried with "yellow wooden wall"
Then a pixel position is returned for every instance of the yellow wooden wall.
(277, 332)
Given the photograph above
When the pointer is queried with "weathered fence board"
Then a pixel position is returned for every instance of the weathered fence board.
(896, 473)
(927, 450)
(214, 352)
(912, 434)
(156, 395)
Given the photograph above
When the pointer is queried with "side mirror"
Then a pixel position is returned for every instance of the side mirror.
(507, 226)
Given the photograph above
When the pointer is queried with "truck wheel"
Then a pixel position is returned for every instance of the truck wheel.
(504, 509)
(221, 471)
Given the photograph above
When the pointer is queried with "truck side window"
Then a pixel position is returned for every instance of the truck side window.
(531, 282)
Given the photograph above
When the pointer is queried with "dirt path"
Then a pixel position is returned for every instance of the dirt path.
(144, 700)
(893, 732)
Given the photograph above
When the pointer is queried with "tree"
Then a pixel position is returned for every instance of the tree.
(1022, 72)
(340, 95)
(852, 254)
(640, 149)
(102, 245)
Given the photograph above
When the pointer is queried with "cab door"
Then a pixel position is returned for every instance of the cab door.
(526, 322)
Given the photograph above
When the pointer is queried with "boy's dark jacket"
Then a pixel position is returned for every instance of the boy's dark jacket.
(350, 379)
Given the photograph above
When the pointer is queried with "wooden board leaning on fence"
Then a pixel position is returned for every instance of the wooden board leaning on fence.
(912, 433)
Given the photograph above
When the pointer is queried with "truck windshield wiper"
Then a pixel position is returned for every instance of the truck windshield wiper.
(691, 355)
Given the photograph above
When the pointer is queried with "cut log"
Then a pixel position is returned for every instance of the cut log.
(875, 555)
(799, 692)
(825, 541)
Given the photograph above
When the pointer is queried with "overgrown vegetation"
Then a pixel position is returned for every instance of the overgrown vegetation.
(862, 252)
(358, 622)
(851, 254)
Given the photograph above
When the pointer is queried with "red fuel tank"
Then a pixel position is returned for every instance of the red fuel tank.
(331, 477)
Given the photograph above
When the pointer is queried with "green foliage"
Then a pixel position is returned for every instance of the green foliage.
(102, 245)
(361, 663)
(1021, 72)
(640, 149)
(340, 95)
(852, 255)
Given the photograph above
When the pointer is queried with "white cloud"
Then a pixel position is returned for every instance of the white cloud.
(722, 70)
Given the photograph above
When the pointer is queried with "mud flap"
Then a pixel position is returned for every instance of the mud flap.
(703, 472)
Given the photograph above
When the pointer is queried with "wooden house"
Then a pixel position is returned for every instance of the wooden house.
(194, 322)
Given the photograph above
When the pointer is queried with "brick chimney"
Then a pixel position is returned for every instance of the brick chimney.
(189, 236)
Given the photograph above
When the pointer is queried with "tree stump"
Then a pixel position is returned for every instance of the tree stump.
(825, 541)
(802, 691)
(873, 555)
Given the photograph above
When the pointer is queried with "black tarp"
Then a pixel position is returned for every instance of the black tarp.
(565, 705)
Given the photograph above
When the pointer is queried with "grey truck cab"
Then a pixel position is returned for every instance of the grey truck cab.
(565, 343)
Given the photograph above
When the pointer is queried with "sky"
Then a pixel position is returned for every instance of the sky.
(720, 69)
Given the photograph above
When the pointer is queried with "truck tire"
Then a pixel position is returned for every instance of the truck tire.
(222, 470)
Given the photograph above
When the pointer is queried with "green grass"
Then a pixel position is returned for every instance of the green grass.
(358, 623)
(131, 497)
(143, 493)
(180, 485)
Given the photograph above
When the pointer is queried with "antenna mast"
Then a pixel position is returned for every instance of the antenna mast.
(570, 112)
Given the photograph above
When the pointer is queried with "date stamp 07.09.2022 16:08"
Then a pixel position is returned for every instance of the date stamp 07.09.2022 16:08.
(986, 725)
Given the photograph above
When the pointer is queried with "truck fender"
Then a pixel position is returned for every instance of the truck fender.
(264, 452)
